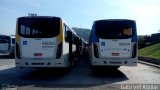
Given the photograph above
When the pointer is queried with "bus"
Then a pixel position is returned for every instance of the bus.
(44, 41)
(12, 46)
(7, 45)
(4, 44)
(83, 46)
(113, 43)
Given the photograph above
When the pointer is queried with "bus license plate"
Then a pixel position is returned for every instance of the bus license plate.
(115, 54)
(37, 54)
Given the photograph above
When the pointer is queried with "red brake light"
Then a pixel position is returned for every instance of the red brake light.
(115, 54)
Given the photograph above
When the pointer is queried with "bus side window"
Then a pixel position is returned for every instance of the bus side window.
(13, 40)
(73, 37)
(76, 40)
(22, 30)
(28, 31)
(66, 33)
(33, 32)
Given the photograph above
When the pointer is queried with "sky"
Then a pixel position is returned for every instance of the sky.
(82, 13)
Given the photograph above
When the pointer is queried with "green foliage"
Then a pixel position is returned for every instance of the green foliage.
(151, 51)
(141, 38)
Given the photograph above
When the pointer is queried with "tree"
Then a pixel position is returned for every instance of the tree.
(158, 31)
(141, 39)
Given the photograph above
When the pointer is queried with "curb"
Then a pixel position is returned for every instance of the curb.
(150, 64)
(149, 60)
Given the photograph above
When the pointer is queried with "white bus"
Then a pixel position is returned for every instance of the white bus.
(4, 44)
(7, 45)
(44, 41)
(83, 46)
(12, 46)
(113, 42)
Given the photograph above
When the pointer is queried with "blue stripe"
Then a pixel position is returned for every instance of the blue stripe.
(134, 38)
(95, 38)
(10, 40)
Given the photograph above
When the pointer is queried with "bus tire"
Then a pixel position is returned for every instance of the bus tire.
(113, 67)
(12, 55)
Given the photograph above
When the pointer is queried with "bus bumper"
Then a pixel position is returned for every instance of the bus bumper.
(41, 63)
(113, 62)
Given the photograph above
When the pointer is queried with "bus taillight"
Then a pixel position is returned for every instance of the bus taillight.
(18, 51)
(59, 51)
(95, 47)
(134, 50)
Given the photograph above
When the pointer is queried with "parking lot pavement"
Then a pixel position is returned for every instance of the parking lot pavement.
(81, 76)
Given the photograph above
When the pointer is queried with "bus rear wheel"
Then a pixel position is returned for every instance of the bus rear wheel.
(12, 55)
(116, 67)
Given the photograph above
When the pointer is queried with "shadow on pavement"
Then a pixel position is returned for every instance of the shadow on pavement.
(5, 56)
(79, 76)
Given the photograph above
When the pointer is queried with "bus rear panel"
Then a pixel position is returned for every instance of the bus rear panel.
(113, 43)
(4, 44)
(39, 42)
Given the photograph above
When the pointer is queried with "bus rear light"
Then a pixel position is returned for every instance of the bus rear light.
(134, 50)
(18, 51)
(95, 47)
(59, 51)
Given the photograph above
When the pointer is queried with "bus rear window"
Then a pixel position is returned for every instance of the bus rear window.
(114, 29)
(38, 27)
(4, 39)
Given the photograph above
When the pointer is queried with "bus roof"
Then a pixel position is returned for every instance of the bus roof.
(39, 17)
(103, 20)
(50, 17)
(3, 35)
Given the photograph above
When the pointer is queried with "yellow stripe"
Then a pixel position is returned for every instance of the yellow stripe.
(61, 35)
(17, 37)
